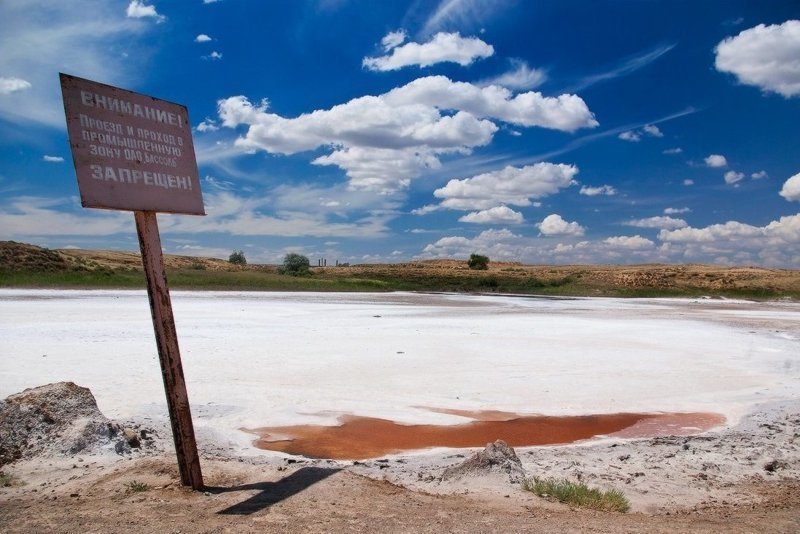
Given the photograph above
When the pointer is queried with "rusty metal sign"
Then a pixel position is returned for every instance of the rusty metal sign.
(131, 151)
(135, 152)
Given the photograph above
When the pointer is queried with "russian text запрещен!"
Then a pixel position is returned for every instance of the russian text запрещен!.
(135, 177)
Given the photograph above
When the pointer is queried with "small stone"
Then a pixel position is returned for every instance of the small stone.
(121, 447)
(774, 465)
(131, 437)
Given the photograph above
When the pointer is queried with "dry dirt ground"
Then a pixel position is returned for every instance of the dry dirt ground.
(740, 479)
(86, 497)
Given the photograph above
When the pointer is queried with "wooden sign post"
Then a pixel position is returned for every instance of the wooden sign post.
(135, 152)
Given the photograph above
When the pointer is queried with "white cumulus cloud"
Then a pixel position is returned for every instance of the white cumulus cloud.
(731, 177)
(760, 175)
(634, 136)
(393, 39)
(732, 243)
(716, 161)
(52, 159)
(382, 142)
(495, 243)
(676, 211)
(497, 215)
(785, 231)
(443, 47)
(424, 210)
(554, 224)
(137, 10)
(630, 136)
(635, 242)
(777, 243)
(673, 151)
(208, 125)
(594, 191)
(791, 188)
(202, 38)
(565, 112)
(653, 130)
(764, 56)
(12, 85)
(514, 186)
(661, 222)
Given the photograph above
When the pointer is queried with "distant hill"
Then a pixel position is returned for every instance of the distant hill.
(24, 265)
(20, 257)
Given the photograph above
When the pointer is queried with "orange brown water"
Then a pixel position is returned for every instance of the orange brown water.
(367, 437)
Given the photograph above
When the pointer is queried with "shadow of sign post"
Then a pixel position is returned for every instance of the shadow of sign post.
(134, 152)
(270, 493)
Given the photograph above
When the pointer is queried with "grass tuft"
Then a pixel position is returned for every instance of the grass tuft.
(577, 494)
(137, 487)
(7, 480)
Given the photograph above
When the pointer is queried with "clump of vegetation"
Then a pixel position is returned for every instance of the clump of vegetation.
(478, 262)
(294, 265)
(578, 494)
(7, 480)
(237, 258)
(489, 282)
(134, 486)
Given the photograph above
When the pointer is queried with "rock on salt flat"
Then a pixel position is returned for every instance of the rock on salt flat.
(272, 359)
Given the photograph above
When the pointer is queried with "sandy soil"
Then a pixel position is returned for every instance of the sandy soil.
(741, 479)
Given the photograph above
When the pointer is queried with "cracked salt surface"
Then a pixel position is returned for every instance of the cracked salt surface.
(273, 359)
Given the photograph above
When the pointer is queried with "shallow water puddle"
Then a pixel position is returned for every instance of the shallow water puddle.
(357, 438)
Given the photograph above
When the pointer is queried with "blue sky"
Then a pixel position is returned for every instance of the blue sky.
(361, 131)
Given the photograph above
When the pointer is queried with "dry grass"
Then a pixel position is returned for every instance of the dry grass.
(136, 487)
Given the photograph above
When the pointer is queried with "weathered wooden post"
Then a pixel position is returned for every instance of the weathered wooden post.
(169, 355)
(134, 152)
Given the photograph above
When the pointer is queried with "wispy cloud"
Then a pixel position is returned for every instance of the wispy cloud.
(460, 15)
(624, 68)
(12, 85)
(477, 164)
(581, 141)
(44, 38)
(520, 77)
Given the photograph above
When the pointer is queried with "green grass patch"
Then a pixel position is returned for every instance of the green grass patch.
(190, 278)
(73, 279)
(135, 486)
(262, 279)
(268, 281)
(577, 494)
